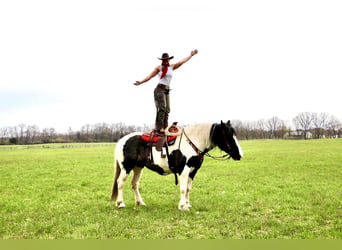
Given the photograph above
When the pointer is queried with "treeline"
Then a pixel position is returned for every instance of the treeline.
(307, 126)
(100, 132)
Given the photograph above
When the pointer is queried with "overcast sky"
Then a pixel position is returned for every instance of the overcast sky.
(73, 62)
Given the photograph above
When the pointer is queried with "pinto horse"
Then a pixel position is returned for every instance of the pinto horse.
(184, 158)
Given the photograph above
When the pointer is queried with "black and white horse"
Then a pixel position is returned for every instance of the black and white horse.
(184, 158)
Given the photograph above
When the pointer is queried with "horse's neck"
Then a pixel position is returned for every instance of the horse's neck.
(199, 134)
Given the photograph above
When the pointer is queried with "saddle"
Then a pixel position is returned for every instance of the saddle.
(158, 140)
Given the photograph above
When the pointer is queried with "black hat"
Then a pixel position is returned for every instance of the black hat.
(165, 56)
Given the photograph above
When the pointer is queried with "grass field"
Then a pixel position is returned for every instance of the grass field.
(280, 189)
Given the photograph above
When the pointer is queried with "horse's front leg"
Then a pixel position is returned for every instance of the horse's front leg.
(187, 196)
(183, 180)
(135, 185)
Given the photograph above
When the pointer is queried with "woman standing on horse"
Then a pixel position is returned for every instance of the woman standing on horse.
(161, 92)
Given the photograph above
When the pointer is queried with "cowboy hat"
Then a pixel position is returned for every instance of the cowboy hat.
(165, 56)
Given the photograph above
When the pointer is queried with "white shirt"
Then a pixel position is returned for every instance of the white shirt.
(167, 78)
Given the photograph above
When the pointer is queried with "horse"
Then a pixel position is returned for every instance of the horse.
(183, 158)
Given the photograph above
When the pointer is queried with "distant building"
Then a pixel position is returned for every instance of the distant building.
(298, 134)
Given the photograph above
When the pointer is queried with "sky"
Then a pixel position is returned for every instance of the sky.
(68, 63)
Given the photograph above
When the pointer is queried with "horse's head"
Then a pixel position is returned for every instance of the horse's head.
(223, 135)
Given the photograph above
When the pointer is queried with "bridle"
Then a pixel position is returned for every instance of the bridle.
(225, 157)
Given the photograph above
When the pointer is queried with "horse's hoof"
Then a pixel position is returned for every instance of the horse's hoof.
(120, 204)
(183, 207)
(140, 203)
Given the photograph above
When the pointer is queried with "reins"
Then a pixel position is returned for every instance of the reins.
(200, 153)
(225, 157)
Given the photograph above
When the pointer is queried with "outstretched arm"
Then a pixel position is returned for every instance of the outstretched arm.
(180, 63)
(149, 77)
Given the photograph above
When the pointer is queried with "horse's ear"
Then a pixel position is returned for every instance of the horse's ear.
(222, 123)
(228, 123)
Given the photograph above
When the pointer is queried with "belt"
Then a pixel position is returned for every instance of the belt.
(162, 87)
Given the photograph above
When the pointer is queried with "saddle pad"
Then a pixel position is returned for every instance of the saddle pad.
(147, 137)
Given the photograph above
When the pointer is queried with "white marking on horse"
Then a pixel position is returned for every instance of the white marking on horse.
(238, 145)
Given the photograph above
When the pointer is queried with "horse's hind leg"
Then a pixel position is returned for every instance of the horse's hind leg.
(137, 172)
(121, 182)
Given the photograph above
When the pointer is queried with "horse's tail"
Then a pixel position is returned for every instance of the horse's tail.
(117, 172)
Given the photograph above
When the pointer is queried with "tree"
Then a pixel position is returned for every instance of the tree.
(283, 129)
(70, 134)
(31, 134)
(13, 140)
(237, 124)
(48, 135)
(248, 129)
(3, 134)
(261, 127)
(21, 135)
(319, 124)
(274, 125)
(86, 132)
(333, 127)
(304, 121)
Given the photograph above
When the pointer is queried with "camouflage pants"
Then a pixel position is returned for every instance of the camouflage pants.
(162, 102)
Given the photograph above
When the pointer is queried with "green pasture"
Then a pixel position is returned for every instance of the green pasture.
(280, 189)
